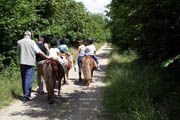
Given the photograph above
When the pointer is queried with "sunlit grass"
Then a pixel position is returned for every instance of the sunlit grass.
(10, 85)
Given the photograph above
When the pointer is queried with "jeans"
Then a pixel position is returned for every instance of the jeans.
(27, 76)
(79, 60)
(95, 58)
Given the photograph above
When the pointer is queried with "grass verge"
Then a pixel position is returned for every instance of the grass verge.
(10, 81)
(10, 85)
(137, 90)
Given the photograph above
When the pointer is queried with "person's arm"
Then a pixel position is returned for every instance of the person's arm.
(87, 49)
(42, 54)
(79, 50)
(67, 47)
(58, 53)
(38, 51)
(94, 50)
(47, 47)
(18, 51)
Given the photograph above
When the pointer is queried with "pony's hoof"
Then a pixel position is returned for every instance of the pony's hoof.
(51, 100)
(65, 83)
(87, 84)
(51, 103)
(80, 80)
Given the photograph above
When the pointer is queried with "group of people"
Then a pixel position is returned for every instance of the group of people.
(33, 54)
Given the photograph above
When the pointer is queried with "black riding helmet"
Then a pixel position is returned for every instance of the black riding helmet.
(90, 41)
(63, 41)
(53, 42)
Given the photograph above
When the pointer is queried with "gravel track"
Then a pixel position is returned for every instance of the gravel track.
(77, 102)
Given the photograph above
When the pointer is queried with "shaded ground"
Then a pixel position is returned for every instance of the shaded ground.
(77, 102)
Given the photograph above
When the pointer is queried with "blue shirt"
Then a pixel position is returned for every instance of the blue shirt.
(63, 48)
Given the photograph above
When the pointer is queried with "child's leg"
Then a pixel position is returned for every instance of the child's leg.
(62, 62)
(95, 58)
(97, 62)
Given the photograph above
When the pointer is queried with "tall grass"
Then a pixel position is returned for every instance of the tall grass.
(10, 85)
(139, 91)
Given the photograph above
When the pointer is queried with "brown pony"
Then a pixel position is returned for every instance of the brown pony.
(52, 71)
(88, 66)
(69, 63)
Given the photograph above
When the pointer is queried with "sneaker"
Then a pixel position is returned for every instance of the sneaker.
(99, 69)
(80, 80)
(30, 98)
(42, 93)
(26, 99)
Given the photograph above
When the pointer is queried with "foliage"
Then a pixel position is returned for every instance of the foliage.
(138, 90)
(52, 18)
(170, 61)
(149, 26)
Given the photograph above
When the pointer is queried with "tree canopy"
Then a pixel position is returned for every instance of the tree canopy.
(149, 26)
(55, 18)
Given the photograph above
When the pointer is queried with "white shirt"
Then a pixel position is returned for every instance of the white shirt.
(81, 50)
(53, 52)
(90, 49)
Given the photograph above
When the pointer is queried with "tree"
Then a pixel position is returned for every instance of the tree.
(150, 27)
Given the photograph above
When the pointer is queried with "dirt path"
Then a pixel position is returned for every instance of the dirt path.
(77, 102)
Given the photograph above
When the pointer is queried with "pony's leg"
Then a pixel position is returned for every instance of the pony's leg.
(80, 79)
(66, 77)
(91, 76)
(65, 81)
(59, 87)
(87, 82)
(67, 74)
(51, 97)
(50, 91)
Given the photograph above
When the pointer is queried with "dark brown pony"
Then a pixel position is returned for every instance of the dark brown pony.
(88, 66)
(52, 71)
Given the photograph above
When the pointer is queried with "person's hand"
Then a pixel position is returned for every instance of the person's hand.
(48, 57)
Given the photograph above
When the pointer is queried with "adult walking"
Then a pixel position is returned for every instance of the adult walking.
(40, 60)
(81, 53)
(27, 50)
